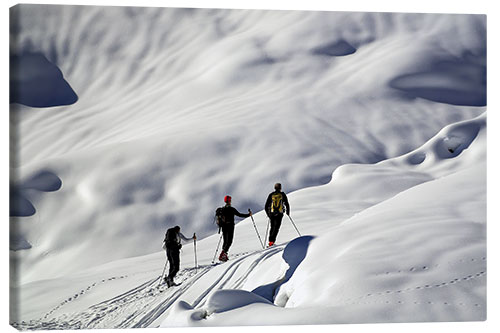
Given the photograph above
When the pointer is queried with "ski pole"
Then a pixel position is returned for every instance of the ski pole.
(164, 267)
(267, 229)
(217, 249)
(195, 256)
(294, 225)
(257, 231)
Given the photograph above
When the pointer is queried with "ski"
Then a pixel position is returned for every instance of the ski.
(162, 285)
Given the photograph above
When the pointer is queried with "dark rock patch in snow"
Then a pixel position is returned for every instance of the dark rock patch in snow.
(36, 82)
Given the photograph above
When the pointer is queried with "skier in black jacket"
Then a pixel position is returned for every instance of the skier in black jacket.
(225, 220)
(172, 245)
(274, 207)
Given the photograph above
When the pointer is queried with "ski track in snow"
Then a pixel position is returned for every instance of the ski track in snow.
(141, 306)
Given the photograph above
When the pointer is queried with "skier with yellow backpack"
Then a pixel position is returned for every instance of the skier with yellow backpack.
(275, 206)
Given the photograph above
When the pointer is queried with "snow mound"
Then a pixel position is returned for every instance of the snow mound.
(450, 142)
(230, 299)
(420, 255)
(436, 157)
(183, 314)
(221, 301)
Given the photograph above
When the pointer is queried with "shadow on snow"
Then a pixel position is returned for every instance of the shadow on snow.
(293, 254)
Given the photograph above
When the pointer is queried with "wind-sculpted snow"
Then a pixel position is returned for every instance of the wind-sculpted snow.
(340, 48)
(420, 255)
(177, 108)
(411, 251)
(35, 82)
(460, 82)
(45, 181)
(413, 258)
(20, 203)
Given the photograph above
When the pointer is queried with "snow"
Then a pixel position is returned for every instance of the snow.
(379, 141)
(417, 256)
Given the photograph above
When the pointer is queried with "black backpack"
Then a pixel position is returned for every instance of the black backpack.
(220, 218)
(171, 239)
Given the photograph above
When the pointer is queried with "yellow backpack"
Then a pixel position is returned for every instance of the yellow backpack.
(277, 203)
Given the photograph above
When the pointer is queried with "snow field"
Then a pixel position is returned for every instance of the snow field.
(416, 255)
(195, 104)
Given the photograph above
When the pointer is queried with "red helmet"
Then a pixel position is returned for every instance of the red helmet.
(227, 199)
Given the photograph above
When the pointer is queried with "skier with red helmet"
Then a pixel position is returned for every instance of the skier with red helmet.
(225, 220)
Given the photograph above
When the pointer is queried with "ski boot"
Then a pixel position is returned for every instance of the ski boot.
(223, 257)
(169, 282)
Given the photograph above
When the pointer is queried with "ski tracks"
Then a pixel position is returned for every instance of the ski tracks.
(143, 305)
(223, 281)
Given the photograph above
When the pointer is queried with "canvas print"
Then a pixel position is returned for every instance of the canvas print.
(201, 167)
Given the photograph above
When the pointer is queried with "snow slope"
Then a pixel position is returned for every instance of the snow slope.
(176, 108)
(417, 253)
(418, 256)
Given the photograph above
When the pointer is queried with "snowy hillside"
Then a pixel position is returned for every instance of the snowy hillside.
(418, 253)
(374, 123)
